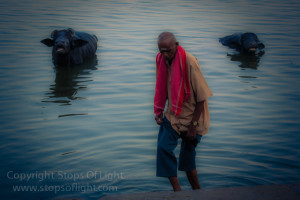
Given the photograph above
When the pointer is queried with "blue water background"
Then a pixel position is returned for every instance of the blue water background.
(95, 125)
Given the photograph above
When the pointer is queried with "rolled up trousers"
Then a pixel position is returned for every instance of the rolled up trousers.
(166, 162)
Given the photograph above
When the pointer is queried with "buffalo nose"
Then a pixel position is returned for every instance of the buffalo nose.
(253, 44)
(60, 42)
(253, 49)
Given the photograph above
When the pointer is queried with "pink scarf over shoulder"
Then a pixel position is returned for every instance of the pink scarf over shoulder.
(180, 86)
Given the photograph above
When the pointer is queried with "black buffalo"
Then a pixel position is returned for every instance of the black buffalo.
(71, 47)
(245, 43)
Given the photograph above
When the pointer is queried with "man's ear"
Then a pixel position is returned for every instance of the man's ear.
(78, 43)
(48, 42)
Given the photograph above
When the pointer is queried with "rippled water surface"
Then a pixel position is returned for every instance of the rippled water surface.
(90, 131)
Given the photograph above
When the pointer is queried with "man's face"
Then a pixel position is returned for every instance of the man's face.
(168, 49)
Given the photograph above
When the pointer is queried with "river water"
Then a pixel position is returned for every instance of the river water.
(90, 131)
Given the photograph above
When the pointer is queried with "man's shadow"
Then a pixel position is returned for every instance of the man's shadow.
(247, 61)
(69, 80)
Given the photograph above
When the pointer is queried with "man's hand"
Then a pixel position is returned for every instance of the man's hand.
(159, 119)
(191, 133)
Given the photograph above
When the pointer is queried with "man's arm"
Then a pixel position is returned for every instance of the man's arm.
(191, 134)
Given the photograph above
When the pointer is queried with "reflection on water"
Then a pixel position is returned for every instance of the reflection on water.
(247, 61)
(69, 80)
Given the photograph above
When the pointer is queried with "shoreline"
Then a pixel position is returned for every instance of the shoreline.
(258, 192)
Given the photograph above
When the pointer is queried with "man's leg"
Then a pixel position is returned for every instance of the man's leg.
(193, 179)
(175, 183)
(166, 164)
(187, 160)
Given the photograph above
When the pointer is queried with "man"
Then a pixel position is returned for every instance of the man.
(180, 81)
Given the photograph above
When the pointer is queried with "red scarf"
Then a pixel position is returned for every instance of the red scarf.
(180, 86)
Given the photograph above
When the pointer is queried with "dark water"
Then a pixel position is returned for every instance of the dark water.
(90, 131)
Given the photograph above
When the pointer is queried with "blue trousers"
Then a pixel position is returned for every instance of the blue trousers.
(166, 162)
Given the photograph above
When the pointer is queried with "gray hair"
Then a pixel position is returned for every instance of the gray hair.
(166, 36)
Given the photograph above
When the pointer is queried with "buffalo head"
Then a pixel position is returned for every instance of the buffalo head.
(250, 43)
(63, 41)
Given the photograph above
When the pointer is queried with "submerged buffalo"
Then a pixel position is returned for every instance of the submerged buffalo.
(245, 43)
(71, 47)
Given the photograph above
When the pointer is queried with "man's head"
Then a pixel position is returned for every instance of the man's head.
(167, 45)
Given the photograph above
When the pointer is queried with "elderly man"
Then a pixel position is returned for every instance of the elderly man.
(180, 81)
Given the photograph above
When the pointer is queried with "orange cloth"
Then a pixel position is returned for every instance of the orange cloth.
(199, 92)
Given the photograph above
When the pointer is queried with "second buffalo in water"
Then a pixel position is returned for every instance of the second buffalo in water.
(245, 43)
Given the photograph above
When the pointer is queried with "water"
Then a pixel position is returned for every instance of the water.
(90, 132)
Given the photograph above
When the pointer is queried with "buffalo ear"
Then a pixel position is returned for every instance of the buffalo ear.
(48, 42)
(78, 43)
(261, 46)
